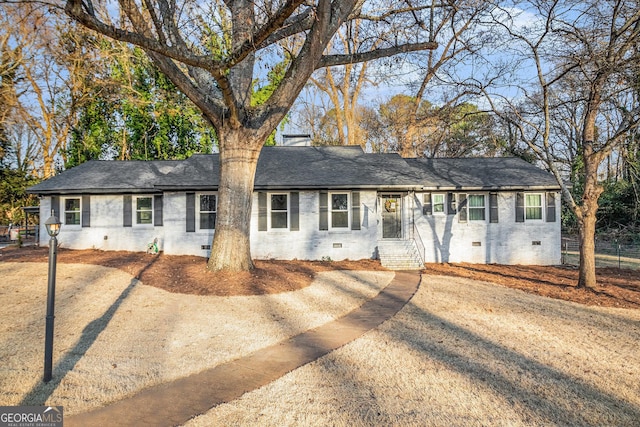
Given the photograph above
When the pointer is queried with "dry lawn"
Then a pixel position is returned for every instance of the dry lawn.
(115, 336)
(462, 352)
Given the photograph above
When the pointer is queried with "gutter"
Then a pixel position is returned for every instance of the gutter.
(493, 188)
(103, 191)
(159, 189)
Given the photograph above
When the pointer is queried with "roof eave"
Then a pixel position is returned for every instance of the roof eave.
(338, 187)
(94, 191)
(490, 188)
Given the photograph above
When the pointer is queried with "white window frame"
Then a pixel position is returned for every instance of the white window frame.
(288, 211)
(65, 211)
(470, 208)
(200, 212)
(434, 203)
(331, 210)
(541, 207)
(135, 210)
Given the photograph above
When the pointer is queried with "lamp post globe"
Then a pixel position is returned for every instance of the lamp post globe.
(52, 224)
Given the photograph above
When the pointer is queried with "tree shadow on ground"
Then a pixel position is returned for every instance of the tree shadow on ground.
(42, 391)
(543, 394)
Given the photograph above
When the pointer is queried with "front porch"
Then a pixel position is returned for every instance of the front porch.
(400, 247)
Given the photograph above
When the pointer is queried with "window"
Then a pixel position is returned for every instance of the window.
(208, 210)
(144, 210)
(476, 207)
(279, 211)
(493, 207)
(72, 211)
(437, 202)
(339, 210)
(533, 206)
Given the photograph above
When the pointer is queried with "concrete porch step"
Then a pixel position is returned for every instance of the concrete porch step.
(399, 255)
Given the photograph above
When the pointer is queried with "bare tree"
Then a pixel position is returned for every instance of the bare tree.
(209, 51)
(460, 32)
(344, 85)
(430, 76)
(582, 54)
(48, 82)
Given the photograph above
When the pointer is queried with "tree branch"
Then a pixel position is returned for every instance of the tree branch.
(333, 60)
(298, 24)
(263, 33)
(75, 10)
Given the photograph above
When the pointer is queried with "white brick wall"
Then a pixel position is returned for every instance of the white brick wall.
(444, 237)
(106, 231)
(310, 242)
(506, 242)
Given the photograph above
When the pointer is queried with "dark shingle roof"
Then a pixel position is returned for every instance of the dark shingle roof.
(331, 167)
(301, 168)
(482, 173)
(106, 177)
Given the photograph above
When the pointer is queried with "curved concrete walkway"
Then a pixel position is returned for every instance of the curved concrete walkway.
(178, 401)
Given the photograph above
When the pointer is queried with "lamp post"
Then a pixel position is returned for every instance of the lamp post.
(52, 224)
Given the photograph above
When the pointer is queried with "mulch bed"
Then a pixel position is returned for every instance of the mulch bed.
(616, 287)
(188, 275)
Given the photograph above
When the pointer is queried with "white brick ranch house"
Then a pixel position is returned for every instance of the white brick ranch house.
(319, 203)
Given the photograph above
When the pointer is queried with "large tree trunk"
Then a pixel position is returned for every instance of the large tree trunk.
(231, 247)
(587, 219)
(590, 194)
(587, 269)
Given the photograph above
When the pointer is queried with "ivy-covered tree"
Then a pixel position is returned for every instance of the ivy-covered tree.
(16, 174)
(262, 91)
(136, 113)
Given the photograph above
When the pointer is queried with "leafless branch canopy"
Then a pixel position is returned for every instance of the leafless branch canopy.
(215, 51)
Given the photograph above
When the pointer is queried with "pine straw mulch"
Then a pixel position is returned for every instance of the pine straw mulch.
(616, 287)
(188, 275)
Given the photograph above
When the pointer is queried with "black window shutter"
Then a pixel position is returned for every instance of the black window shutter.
(126, 211)
(86, 211)
(551, 207)
(493, 207)
(295, 211)
(191, 213)
(519, 207)
(324, 210)
(451, 204)
(355, 210)
(55, 206)
(262, 211)
(157, 210)
(462, 207)
(426, 204)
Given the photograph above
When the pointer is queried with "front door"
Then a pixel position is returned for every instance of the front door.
(391, 216)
